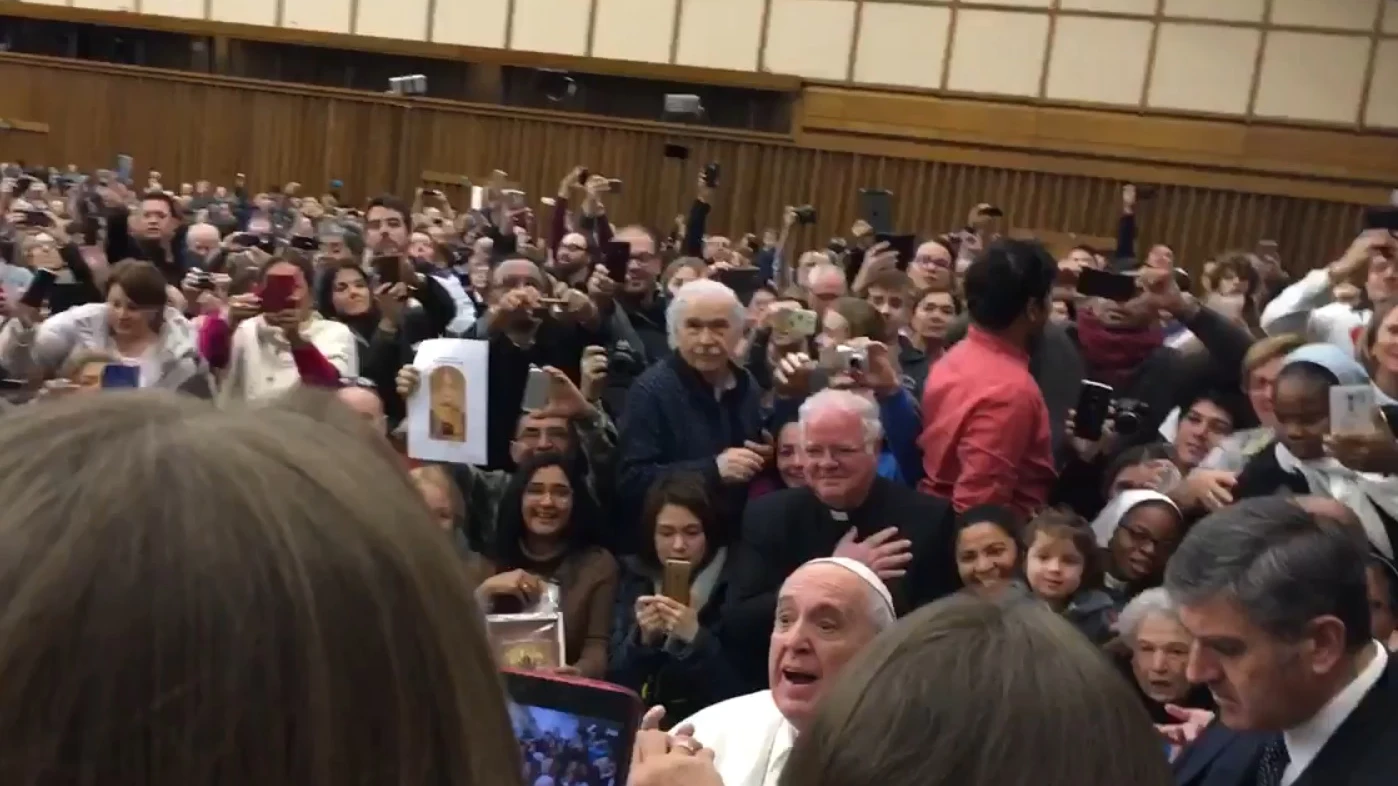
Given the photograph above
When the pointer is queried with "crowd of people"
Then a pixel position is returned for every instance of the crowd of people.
(868, 457)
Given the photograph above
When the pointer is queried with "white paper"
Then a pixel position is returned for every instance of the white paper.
(447, 417)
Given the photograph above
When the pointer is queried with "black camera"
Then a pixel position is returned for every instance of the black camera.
(1131, 416)
(805, 214)
(622, 363)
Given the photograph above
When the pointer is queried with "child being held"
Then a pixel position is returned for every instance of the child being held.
(1063, 567)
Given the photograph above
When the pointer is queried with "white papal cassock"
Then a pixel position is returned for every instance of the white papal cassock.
(749, 737)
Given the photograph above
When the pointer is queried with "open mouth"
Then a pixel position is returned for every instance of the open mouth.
(796, 677)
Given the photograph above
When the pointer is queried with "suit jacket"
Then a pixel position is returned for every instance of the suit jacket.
(1362, 752)
(1221, 757)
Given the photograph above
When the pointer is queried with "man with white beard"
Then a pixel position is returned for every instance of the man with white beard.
(827, 611)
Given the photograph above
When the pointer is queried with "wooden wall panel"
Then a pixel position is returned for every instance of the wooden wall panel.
(190, 127)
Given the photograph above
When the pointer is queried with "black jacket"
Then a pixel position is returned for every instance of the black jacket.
(785, 529)
(120, 245)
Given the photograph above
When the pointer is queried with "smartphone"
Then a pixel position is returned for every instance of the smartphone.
(1352, 409)
(616, 255)
(742, 280)
(805, 215)
(121, 375)
(1385, 217)
(388, 269)
(477, 197)
(598, 720)
(876, 208)
(37, 218)
(904, 245)
(1090, 415)
(711, 173)
(304, 243)
(677, 152)
(247, 239)
(614, 185)
(277, 292)
(675, 585)
(39, 288)
(536, 390)
(124, 167)
(803, 322)
(1112, 286)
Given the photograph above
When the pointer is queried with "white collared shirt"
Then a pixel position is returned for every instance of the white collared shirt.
(750, 739)
(1305, 741)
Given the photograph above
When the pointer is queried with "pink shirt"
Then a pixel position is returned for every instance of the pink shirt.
(986, 436)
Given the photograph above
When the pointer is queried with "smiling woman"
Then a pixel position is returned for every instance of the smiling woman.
(546, 534)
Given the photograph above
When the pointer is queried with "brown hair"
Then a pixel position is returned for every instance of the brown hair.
(895, 280)
(231, 597)
(142, 282)
(864, 320)
(1060, 524)
(685, 490)
(959, 692)
(693, 263)
(937, 289)
(1365, 351)
(1265, 350)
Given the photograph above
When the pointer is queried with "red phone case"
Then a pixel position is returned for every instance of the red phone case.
(277, 292)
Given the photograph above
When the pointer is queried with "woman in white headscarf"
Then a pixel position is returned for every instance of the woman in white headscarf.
(1138, 531)
(1299, 462)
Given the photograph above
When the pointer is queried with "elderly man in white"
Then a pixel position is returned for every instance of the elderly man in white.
(827, 611)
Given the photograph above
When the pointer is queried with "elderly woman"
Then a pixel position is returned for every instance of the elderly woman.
(1157, 650)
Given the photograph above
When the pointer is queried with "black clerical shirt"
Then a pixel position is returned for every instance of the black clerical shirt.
(785, 529)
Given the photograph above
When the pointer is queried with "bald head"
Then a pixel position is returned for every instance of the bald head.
(203, 240)
(365, 403)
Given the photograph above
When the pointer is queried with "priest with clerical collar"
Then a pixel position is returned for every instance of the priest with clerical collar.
(827, 611)
(906, 538)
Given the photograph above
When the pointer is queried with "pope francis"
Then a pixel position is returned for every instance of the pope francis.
(826, 612)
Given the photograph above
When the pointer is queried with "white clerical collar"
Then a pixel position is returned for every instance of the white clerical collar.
(839, 515)
(1305, 741)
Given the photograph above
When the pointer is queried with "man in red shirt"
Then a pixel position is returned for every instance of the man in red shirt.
(986, 435)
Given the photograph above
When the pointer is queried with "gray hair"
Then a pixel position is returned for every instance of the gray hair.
(197, 229)
(832, 399)
(1283, 566)
(1151, 603)
(826, 268)
(693, 292)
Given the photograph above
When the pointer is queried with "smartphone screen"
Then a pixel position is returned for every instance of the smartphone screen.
(553, 714)
(124, 167)
(1385, 217)
(388, 269)
(1090, 415)
(1112, 286)
(277, 292)
(536, 390)
(1352, 409)
(675, 585)
(876, 208)
(616, 255)
(711, 173)
(904, 245)
(477, 197)
(39, 288)
(120, 375)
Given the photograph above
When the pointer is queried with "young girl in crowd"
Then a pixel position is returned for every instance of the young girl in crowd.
(1063, 567)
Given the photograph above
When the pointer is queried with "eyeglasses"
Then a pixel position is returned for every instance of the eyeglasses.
(1141, 537)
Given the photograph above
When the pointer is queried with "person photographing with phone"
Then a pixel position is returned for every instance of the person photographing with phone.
(271, 341)
(665, 634)
(135, 324)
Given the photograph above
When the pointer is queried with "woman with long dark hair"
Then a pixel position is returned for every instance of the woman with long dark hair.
(546, 533)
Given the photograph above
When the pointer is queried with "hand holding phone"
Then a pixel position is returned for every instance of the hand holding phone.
(278, 292)
(536, 390)
(40, 286)
(675, 584)
(117, 376)
(1111, 286)
(606, 717)
(616, 256)
(1090, 415)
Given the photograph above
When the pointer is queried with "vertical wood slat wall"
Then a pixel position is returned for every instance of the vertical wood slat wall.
(274, 133)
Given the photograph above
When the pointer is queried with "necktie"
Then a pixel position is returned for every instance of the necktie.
(1275, 757)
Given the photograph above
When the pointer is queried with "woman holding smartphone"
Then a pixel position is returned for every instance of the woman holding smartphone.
(664, 645)
(272, 341)
(546, 533)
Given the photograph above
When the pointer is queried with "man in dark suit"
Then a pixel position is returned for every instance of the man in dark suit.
(1276, 599)
(846, 510)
